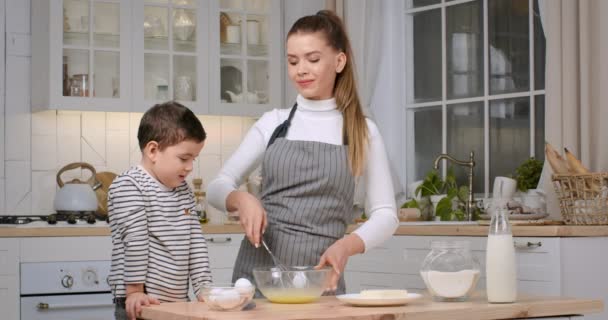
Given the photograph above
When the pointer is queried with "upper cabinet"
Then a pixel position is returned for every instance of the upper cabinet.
(246, 45)
(216, 57)
(170, 51)
(81, 55)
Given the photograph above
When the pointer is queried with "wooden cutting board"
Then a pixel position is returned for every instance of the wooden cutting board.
(105, 178)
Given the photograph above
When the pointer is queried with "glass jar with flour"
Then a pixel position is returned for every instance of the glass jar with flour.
(450, 272)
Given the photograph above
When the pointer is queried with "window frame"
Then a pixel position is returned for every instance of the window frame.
(409, 106)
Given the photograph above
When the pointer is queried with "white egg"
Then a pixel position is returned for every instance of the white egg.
(299, 280)
(243, 286)
(242, 282)
(228, 299)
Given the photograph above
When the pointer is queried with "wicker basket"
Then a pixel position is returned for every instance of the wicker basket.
(583, 198)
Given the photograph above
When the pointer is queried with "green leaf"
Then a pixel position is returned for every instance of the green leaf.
(463, 193)
(411, 204)
(444, 209)
(528, 174)
(459, 214)
(432, 184)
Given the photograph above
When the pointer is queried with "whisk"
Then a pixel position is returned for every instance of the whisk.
(275, 260)
(294, 278)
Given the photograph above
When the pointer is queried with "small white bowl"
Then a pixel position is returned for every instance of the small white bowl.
(227, 297)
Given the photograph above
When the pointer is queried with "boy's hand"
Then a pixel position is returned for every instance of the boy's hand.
(134, 302)
(251, 215)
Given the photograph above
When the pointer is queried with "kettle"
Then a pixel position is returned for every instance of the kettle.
(76, 195)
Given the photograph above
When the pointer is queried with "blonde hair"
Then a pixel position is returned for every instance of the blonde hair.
(354, 128)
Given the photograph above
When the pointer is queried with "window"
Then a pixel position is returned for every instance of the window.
(474, 81)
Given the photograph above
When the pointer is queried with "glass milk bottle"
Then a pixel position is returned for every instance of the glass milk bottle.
(501, 277)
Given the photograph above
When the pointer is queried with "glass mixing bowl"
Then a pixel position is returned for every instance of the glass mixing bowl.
(227, 297)
(450, 271)
(295, 285)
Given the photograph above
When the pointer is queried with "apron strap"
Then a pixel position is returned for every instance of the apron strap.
(281, 130)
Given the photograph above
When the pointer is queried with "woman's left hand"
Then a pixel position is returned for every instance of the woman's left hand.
(337, 255)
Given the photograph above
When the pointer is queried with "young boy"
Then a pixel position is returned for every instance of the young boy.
(158, 245)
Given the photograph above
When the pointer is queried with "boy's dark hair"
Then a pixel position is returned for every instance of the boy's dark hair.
(168, 124)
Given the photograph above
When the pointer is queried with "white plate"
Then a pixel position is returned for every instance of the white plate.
(355, 299)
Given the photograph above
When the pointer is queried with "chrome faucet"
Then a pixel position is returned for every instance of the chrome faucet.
(470, 205)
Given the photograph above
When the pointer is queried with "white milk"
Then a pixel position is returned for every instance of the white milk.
(450, 284)
(501, 277)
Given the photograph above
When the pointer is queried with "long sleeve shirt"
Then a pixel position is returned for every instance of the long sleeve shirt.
(316, 120)
(156, 241)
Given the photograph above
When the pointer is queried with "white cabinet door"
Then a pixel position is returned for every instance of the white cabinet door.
(81, 55)
(9, 278)
(9, 297)
(223, 249)
(538, 262)
(246, 57)
(171, 53)
(538, 265)
(9, 257)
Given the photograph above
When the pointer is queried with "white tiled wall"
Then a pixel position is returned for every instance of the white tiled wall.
(108, 141)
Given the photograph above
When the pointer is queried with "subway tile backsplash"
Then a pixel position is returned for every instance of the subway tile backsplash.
(108, 141)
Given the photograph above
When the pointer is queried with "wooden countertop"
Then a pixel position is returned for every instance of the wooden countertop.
(403, 230)
(423, 309)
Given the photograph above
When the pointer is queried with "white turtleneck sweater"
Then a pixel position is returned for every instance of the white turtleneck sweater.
(315, 120)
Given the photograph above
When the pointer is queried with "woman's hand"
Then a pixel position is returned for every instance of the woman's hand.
(134, 303)
(251, 214)
(337, 255)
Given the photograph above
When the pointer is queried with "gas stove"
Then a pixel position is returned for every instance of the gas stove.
(60, 218)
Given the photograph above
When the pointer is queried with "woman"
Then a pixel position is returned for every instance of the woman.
(310, 156)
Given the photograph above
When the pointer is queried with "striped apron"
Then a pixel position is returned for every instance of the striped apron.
(307, 192)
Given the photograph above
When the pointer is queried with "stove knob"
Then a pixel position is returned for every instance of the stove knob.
(91, 219)
(72, 219)
(90, 278)
(67, 281)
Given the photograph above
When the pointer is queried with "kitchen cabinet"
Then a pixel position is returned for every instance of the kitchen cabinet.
(9, 297)
(223, 249)
(109, 55)
(171, 53)
(246, 54)
(81, 55)
(9, 278)
(538, 263)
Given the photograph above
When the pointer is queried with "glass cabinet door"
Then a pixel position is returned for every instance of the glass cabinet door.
(172, 53)
(247, 42)
(91, 49)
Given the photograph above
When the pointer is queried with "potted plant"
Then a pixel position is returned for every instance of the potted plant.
(449, 200)
(527, 176)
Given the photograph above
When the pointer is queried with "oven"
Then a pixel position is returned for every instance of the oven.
(71, 290)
